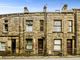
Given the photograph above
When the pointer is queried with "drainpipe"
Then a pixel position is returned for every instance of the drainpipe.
(23, 33)
(76, 39)
(19, 32)
(45, 30)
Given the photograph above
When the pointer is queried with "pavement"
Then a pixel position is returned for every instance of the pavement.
(40, 58)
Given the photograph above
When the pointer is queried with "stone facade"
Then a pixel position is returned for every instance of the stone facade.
(16, 36)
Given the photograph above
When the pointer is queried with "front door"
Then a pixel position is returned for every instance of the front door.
(69, 47)
(40, 47)
(13, 46)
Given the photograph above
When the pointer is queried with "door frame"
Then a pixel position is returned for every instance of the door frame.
(69, 50)
(40, 39)
(13, 46)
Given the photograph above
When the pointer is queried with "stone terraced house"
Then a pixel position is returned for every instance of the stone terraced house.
(40, 33)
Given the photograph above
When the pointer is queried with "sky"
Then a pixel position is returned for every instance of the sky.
(16, 6)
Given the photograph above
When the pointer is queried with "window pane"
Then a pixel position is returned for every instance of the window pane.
(29, 28)
(6, 27)
(70, 23)
(2, 46)
(57, 23)
(57, 26)
(29, 44)
(57, 42)
(41, 25)
(29, 21)
(57, 47)
(70, 29)
(29, 24)
(41, 22)
(57, 29)
(70, 26)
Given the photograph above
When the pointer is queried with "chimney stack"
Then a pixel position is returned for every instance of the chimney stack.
(44, 8)
(26, 10)
(64, 9)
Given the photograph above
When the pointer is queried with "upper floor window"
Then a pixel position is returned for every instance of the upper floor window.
(2, 46)
(57, 26)
(29, 24)
(5, 26)
(57, 45)
(41, 25)
(70, 26)
(5, 21)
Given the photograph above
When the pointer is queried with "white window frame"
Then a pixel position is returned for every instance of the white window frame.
(70, 27)
(57, 45)
(29, 26)
(2, 47)
(4, 27)
(29, 44)
(41, 25)
(58, 26)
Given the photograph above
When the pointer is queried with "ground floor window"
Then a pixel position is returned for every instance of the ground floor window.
(29, 44)
(2, 46)
(57, 45)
